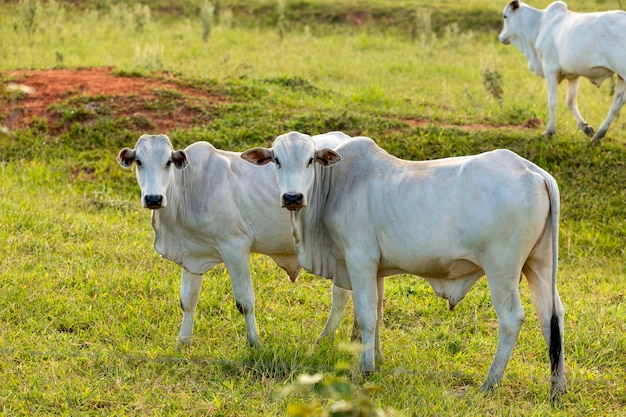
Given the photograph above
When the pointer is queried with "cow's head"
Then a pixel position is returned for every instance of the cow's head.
(511, 24)
(154, 157)
(295, 156)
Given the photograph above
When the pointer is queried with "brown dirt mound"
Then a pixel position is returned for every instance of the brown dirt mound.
(126, 96)
(144, 101)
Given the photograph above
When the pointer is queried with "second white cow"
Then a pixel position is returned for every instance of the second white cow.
(207, 209)
(450, 221)
(563, 45)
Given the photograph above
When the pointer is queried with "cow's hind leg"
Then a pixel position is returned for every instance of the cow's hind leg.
(572, 105)
(618, 102)
(189, 295)
(504, 288)
(340, 299)
(538, 272)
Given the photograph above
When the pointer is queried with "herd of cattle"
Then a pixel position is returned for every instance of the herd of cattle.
(343, 208)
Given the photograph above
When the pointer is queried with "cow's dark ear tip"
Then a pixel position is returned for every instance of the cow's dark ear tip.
(327, 157)
(126, 157)
(258, 156)
(514, 5)
(180, 159)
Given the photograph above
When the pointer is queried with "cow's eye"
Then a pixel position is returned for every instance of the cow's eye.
(168, 163)
(310, 162)
(277, 162)
(138, 162)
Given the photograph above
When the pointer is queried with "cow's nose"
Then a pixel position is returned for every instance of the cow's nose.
(153, 201)
(293, 201)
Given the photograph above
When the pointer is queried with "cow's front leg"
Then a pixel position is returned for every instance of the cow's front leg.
(380, 283)
(189, 295)
(237, 263)
(365, 296)
(616, 105)
(572, 105)
(552, 85)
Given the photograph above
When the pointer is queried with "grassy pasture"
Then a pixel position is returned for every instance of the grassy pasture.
(89, 313)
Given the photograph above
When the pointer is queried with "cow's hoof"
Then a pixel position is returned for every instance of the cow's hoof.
(183, 343)
(588, 130)
(556, 396)
(548, 134)
(488, 386)
(366, 374)
(598, 136)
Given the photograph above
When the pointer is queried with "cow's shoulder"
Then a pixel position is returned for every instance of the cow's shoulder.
(330, 139)
(209, 164)
(198, 155)
(359, 150)
(553, 15)
(200, 150)
(556, 7)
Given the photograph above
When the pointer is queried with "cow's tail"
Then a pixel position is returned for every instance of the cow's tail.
(555, 346)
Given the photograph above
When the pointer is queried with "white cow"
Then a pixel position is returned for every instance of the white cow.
(450, 221)
(560, 44)
(212, 212)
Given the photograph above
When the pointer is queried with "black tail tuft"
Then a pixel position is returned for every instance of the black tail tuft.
(555, 343)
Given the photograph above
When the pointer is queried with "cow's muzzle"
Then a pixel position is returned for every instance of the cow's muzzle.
(153, 201)
(293, 201)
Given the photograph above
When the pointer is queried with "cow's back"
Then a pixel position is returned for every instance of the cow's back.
(448, 210)
(582, 44)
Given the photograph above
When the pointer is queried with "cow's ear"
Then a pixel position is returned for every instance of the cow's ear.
(514, 5)
(126, 157)
(179, 158)
(258, 156)
(327, 157)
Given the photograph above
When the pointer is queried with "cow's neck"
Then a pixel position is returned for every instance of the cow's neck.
(178, 193)
(532, 23)
(316, 251)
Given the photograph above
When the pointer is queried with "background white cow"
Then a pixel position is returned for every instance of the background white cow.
(207, 210)
(450, 221)
(560, 44)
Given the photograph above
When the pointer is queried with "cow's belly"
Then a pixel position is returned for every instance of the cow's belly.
(430, 266)
(595, 74)
(449, 279)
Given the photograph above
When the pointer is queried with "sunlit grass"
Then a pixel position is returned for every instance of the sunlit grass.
(89, 312)
(430, 78)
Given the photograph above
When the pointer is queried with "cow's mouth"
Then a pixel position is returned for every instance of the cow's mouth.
(292, 207)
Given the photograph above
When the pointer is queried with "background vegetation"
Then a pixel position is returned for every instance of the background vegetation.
(88, 311)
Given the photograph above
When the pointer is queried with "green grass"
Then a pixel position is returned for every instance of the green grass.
(89, 313)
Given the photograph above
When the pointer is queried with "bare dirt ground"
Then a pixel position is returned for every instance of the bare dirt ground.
(126, 96)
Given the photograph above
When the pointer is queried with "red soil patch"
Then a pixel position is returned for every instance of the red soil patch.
(132, 97)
